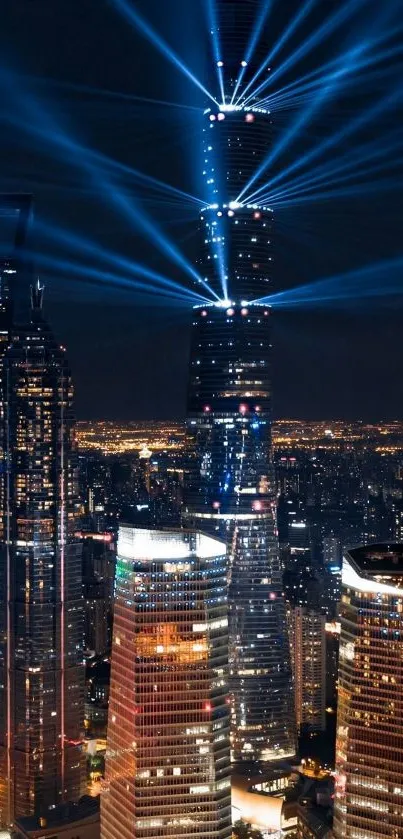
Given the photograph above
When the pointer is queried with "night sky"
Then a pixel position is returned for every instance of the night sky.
(129, 351)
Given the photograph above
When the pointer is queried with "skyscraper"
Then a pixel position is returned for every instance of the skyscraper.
(41, 608)
(168, 758)
(369, 745)
(308, 655)
(230, 489)
(16, 211)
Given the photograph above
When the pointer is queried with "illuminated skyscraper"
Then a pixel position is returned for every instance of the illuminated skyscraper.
(369, 745)
(168, 756)
(16, 213)
(230, 484)
(41, 608)
(308, 656)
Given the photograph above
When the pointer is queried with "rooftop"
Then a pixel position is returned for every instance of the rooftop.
(149, 545)
(63, 814)
(318, 819)
(372, 560)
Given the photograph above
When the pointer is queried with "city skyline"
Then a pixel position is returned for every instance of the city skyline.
(201, 613)
(322, 238)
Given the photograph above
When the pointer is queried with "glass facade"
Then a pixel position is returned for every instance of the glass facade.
(369, 745)
(41, 608)
(230, 492)
(307, 629)
(168, 754)
(8, 271)
(229, 486)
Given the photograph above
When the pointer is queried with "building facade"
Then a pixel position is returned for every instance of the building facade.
(308, 656)
(168, 752)
(369, 746)
(229, 486)
(98, 571)
(41, 608)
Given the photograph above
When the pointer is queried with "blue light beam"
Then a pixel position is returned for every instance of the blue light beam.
(349, 164)
(288, 32)
(305, 116)
(148, 179)
(101, 277)
(383, 279)
(85, 246)
(385, 185)
(113, 94)
(387, 102)
(139, 23)
(318, 36)
(215, 40)
(265, 9)
(39, 122)
(317, 77)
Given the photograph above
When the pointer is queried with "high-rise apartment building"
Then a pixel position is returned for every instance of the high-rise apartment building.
(230, 488)
(369, 746)
(41, 608)
(168, 753)
(308, 656)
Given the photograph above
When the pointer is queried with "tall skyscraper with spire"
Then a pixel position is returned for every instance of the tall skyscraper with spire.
(41, 610)
(230, 483)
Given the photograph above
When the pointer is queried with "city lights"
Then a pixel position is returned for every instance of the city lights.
(176, 596)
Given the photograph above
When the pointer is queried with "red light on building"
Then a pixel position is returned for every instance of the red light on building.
(203, 313)
(244, 312)
(272, 596)
(216, 505)
(266, 312)
(257, 214)
(96, 537)
(250, 118)
(207, 409)
(207, 706)
(257, 506)
(257, 409)
(243, 409)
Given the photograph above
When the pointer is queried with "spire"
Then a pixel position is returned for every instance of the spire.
(37, 296)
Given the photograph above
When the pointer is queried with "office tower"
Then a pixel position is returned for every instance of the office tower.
(230, 488)
(168, 756)
(299, 539)
(98, 574)
(41, 610)
(369, 745)
(332, 561)
(332, 554)
(15, 219)
(332, 629)
(308, 657)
